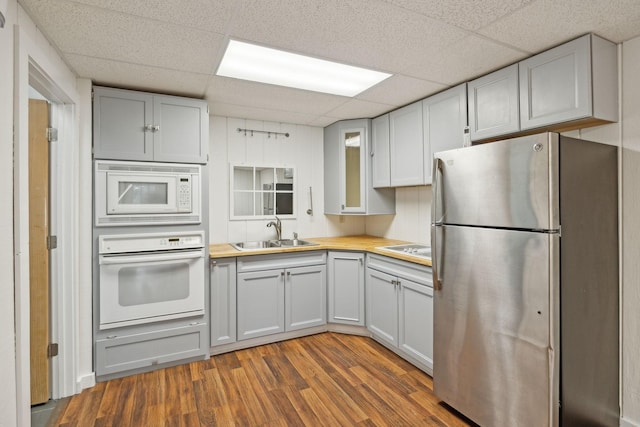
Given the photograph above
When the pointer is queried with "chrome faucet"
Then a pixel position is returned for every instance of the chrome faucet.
(278, 225)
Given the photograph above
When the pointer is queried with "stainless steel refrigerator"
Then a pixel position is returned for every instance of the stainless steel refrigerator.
(525, 268)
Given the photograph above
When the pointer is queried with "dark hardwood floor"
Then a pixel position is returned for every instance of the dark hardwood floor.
(327, 379)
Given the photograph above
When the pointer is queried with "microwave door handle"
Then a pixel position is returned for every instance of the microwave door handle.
(124, 193)
(130, 259)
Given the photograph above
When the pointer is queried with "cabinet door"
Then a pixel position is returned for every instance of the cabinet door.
(380, 166)
(305, 297)
(182, 132)
(382, 306)
(406, 146)
(124, 353)
(120, 120)
(494, 108)
(223, 301)
(260, 303)
(445, 121)
(416, 321)
(352, 167)
(346, 288)
(555, 86)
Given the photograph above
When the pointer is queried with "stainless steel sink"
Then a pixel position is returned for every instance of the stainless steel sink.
(254, 245)
(421, 251)
(266, 244)
(295, 242)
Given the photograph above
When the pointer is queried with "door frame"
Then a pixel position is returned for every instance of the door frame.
(38, 65)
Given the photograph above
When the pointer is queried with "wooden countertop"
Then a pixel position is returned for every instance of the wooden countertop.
(361, 243)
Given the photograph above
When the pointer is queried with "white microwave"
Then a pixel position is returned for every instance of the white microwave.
(145, 193)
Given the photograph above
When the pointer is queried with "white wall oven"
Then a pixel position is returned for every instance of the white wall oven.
(150, 277)
(146, 193)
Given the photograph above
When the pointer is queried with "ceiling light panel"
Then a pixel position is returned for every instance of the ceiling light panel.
(266, 65)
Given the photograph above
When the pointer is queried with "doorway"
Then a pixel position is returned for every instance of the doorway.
(39, 243)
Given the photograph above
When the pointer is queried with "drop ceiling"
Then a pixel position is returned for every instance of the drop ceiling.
(174, 47)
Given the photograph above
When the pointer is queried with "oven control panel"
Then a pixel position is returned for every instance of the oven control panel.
(124, 243)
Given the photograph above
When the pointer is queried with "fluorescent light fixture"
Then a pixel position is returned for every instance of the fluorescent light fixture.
(266, 65)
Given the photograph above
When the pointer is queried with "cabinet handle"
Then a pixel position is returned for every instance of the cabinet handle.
(156, 128)
(214, 263)
(393, 282)
(342, 207)
(148, 128)
(361, 261)
(288, 273)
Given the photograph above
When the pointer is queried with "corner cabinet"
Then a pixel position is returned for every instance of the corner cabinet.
(399, 299)
(280, 293)
(346, 287)
(132, 125)
(347, 172)
(575, 83)
(444, 118)
(223, 301)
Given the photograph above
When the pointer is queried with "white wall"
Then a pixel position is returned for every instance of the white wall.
(412, 219)
(630, 233)
(8, 399)
(302, 150)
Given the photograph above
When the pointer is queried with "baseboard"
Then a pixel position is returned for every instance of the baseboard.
(85, 381)
(628, 423)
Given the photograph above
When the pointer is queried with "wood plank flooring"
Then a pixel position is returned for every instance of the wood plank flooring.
(327, 379)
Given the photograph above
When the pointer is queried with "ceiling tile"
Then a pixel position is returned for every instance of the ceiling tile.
(140, 77)
(206, 15)
(241, 92)
(248, 112)
(399, 90)
(473, 57)
(467, 14)
(368, 33)
(91, 31)
(356, 109)
(546, 23)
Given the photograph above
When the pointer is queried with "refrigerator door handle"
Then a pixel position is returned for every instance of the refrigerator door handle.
(438, 170)
(437, 190)
(435, 268)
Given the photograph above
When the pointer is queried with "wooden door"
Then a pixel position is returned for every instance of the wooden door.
(38, 252)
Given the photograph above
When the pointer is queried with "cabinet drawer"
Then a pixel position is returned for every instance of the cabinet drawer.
(278, 261)
(129, 352)
(403, 269)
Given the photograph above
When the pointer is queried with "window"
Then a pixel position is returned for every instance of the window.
(259, 192)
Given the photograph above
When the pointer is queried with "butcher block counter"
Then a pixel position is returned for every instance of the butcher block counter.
(361, 243)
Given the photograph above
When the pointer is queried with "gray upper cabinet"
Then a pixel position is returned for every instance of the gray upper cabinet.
(445, 122)
(131, 125)
(380, 167)
(494, 104)
(575, 82)
(347, 174)
(406, 146)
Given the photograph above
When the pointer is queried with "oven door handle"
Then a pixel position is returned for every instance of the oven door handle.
(130, 259)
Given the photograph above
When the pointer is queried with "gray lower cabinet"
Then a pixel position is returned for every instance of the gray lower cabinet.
(399, 299)
(133, 125)
(120, 353)
(280, 293)
(346, 287)
(223, 301)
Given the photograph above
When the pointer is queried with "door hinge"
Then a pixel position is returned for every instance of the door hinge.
(52, 134)
(52, 242)
(52, 349)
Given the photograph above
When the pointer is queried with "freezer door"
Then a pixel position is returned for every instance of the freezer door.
(510, 184)
(495, 340)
